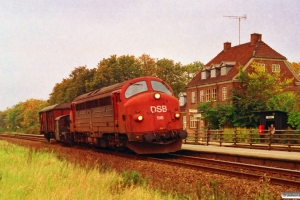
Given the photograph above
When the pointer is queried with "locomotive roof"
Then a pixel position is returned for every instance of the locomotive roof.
(57, 107)
(105, 91)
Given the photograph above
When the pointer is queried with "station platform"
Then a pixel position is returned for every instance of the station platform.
(245, 152)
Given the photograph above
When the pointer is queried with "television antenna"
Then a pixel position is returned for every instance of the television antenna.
(239, 18)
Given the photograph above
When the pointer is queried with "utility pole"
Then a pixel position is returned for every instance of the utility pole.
(239, 18)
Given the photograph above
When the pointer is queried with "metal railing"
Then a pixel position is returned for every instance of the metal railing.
(281, 139)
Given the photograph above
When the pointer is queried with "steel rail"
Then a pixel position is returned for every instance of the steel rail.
(265, 169)
(253, 172)
(25, 137)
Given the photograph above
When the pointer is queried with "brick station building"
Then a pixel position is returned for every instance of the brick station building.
(219, 76)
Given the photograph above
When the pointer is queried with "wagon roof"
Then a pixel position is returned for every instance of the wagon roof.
(57, 107)
(101, 92)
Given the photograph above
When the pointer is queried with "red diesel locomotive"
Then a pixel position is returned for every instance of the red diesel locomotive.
(141, 114)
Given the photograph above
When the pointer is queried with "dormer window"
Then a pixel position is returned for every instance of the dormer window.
(226, 67)
(203, 75)
(225, 70)
(213, 73)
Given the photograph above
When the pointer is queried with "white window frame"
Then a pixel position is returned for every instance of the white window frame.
(214, 94)
(193, 97)
(213, 73)
(193, 122)
(223, 71)
(201, 95)
(208, 95)
(275, 67)
(224, 93)
(203, 75)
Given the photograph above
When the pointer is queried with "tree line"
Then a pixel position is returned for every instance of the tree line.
(115, 69)
(118, 69)
(24, 116)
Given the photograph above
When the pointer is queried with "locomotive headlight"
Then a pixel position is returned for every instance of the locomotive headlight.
(177, 115)
(138, 117)
(157, 96)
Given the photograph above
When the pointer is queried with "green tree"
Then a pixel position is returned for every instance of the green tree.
(30, 110)
(285, 102)
(192, 69)
(3, 125)
(172, 73)
(73, 86)
(115, 70)
(217, 115)
(257, 88)
(291, 105)
(294, 119)
(59, 91)
(296, 67)
(80, 77)
(14, 117)
(148, 65)
(24, 116)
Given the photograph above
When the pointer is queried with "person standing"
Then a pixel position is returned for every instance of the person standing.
(272, 129)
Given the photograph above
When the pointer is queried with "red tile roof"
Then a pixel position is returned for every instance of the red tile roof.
(240, 54)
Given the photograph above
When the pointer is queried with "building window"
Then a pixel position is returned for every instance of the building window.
(223, 71)
(207, 95)
(224, 93)
(193, 100)
(201, 95)
(193, 122)
(275, 68)
(213, 73)
(214, 94)
(203, 75)
(184, 122)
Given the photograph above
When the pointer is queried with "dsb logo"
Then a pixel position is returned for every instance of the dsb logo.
(159, 109)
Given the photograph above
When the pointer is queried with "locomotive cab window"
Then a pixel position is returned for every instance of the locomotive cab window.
(136, 88)
(159, 86)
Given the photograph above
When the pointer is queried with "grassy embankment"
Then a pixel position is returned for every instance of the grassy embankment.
(29, 174)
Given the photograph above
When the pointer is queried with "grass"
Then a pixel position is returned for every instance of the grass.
(30, 174)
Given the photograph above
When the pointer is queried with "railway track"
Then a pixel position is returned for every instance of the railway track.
(278, 176)
(30, 137)
(273, 175)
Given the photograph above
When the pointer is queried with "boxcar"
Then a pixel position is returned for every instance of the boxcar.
(47, 118)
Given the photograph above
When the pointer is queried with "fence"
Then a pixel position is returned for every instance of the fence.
(285, 139)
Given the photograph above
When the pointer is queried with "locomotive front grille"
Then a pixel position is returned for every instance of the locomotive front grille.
(158, 137)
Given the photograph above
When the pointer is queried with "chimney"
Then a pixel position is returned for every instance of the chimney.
(227, 45)
(255, 37)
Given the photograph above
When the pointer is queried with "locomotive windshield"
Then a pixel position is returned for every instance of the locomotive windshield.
(136, 88)
(159, 86)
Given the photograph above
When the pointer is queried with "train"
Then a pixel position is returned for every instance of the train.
(141, 115)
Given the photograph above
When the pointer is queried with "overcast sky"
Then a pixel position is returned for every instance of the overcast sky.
(42, 41)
